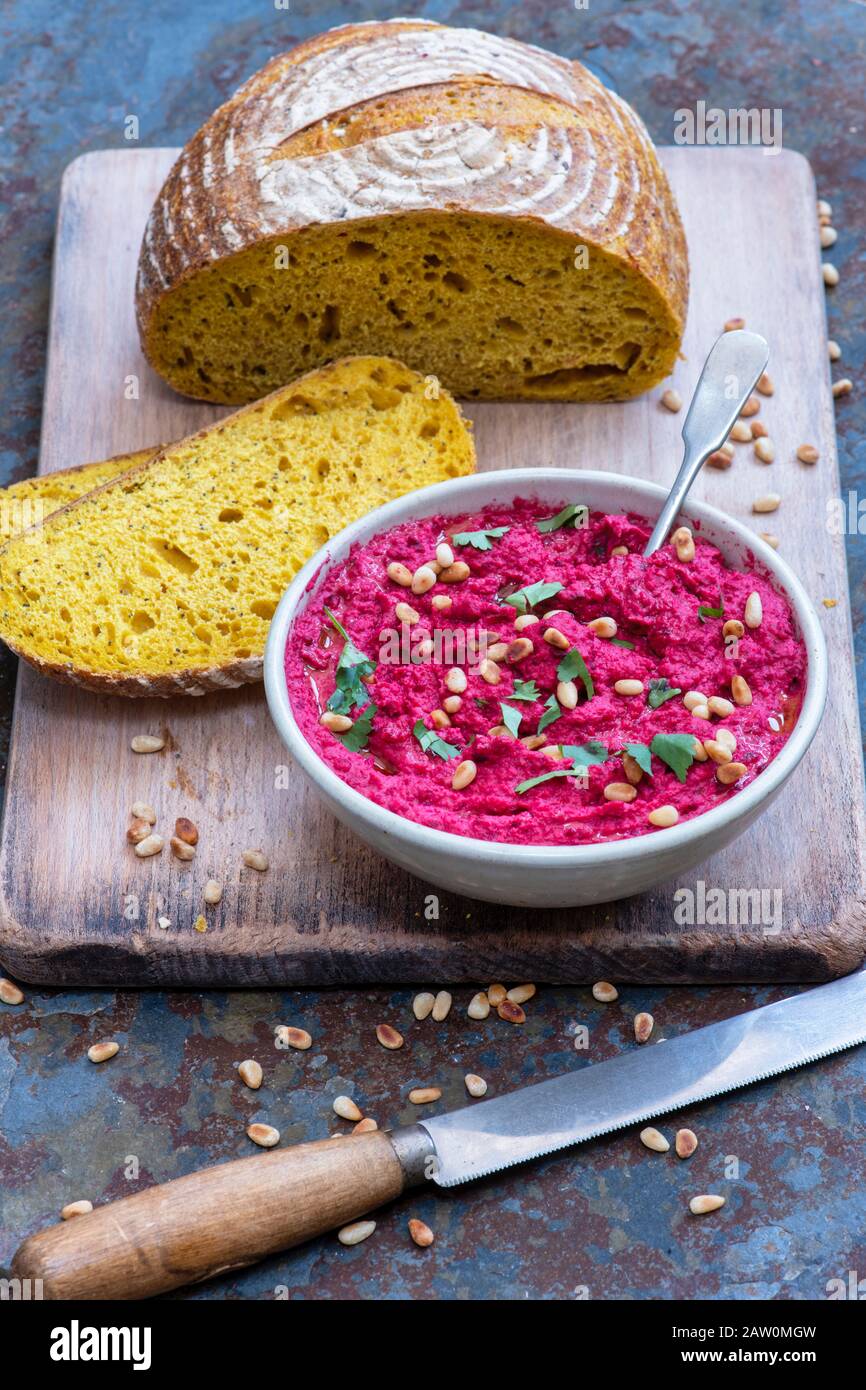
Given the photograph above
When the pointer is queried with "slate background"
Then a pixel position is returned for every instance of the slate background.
(609, 1219)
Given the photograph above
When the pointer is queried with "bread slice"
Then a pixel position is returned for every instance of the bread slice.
(478, 207)
(29, 502)
(164, 580)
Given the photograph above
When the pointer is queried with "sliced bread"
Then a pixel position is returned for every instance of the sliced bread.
(29, 502)
(164, 580)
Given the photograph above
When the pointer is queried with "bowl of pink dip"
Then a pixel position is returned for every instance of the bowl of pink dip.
(489, 683)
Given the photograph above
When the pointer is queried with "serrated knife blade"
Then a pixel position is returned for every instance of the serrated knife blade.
(647, 1082)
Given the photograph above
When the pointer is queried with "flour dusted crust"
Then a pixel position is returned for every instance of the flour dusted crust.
(237, 181)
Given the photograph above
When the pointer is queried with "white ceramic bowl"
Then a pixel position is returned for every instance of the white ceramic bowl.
(541, 875)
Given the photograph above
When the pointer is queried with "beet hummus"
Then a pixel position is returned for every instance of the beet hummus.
(524, 674)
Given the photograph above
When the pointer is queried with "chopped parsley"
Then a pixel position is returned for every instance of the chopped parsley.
(677, 750)
(548, 777)
(525, 690)
(589, 754)
(575, 512)
(349, 688)
(704, 610)
(510, 717)
(573, 666)
(480, 540)
(641, 755)
(552, 711)
(432, 743)
(621, 642)
(660, 691)
(532, 594)
(357, 738)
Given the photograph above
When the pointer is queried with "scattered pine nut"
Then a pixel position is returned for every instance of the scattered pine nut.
(519, 650)
(103, 1051)
(741, 690)
(628, 687)
(151, 844)
(765, 450)
(479, 1006)
(336, 723)
(464, 774)
(346, 1108)
(147, 743)
(828, 236)
(752, 406)
(741, 432)
(141, 811)
(456, 573)
(297, 1038)
(524, 620)
(653, 1139)
(440, 719)
(365, 1126)
(719, 460)
(603, 627)
(452, 704)
(843, 387)
(830, 274)
(729, 773)
(604, 992)
(401, 574)
(422, 1005)
(475, 1085)
(388, 1036)
(512, 1013)
(759, 429)
(699, 751)
(619, 791)
(768, 503)
(213, 892)
(521, 993)
(425, 1095)
(73, 1209)
(456, 681)
(834, 351)
(181, 850)
(700, 712)
(807, 453)
(684, 544)
(692, 698)
(733, 628)
(139, 830)
(10, 993)
(823, 208)
(663, 817)
(725, 736)
(255, 859)
(497, 652)
(733, 324)
(420, 1233)
(719, 706)
(765, 384)
(685, 1142)
(441, 1006)
(632, 769)
(356, 1232)
(770, 539)
(405, 613)
(566, 694)
(423, 579)
(496, 994)
(444, 555)
(643, 1026)
(555, 638)
(490, 672)
(185, 830)
(699, 1206)
(442, 602)
(754, 611)
(718, 752)
(251, 1074)
(672, 400)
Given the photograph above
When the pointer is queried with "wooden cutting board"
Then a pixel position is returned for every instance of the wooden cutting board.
(77, 907)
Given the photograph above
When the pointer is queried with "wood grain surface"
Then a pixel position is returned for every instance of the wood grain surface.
(77, 907)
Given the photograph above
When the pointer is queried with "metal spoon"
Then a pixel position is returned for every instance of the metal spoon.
(730, 372)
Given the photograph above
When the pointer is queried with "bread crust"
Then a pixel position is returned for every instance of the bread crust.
(598, 179)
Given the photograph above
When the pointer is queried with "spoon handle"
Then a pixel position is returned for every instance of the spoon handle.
(730, 372)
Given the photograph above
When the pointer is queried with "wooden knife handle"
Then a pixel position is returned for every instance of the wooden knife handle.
(218, 1219)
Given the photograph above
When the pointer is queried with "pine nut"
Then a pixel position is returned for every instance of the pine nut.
(297, 1038)
(632, 769)
(534, 741)
(718, 752)
(619, 551)
(425, 1095)
(479, 1005)
(401, 574)
(150, 845)
(759, 430)
(251, 1074)
(103, 1051)
(185, 830)
(672, 400)
(444, 555)
(255, 859)
(663, 817)
(420, 1233)
(512, 1013)
(693, 698)
(213, 892)
(441, 1006)
(733, 324)
(699, 1206)
(807, 453)
(141, 811)
(405, 613)
(729, 773)
(388, 1036)
(552, 751)
(654, 1139)
(524, 620)
(337, 723)
(628, 687)
(604, 992)
(456, 573)
(741, 432)
(765, 450)
(496, 994)
(519, 650)
(643, 1026)
(603, 627)
(422, 1006)
(752, 406)
(699, 750)
(365, 1126)
(10, 993)
(452, 704)
(765, 384)
(830, 274)
(566, 694)
(719, 460)
(520, 993)
(73, 1209)
(843, 387)
(356, 1232)
(555, 638)
(464, 774)
(823, 208)
(497, 651)
(684, 544)
(719, 706)
(740, 690)
(685, 1142)
(423, 579)
(733, 628)
(138, 830)
(147, 743)
(754, 611)
(440, 719)
(442, 602)
(181, 850)
(768, 503)
(500, 731)
(619, 791)
(475, 1085)
(834, 351)
(346, 1108)
(456, 681)
(700, 712)
(725, 737)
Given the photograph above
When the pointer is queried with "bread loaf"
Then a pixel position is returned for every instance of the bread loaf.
(484, 210)
(29, 502)
(164, 580)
